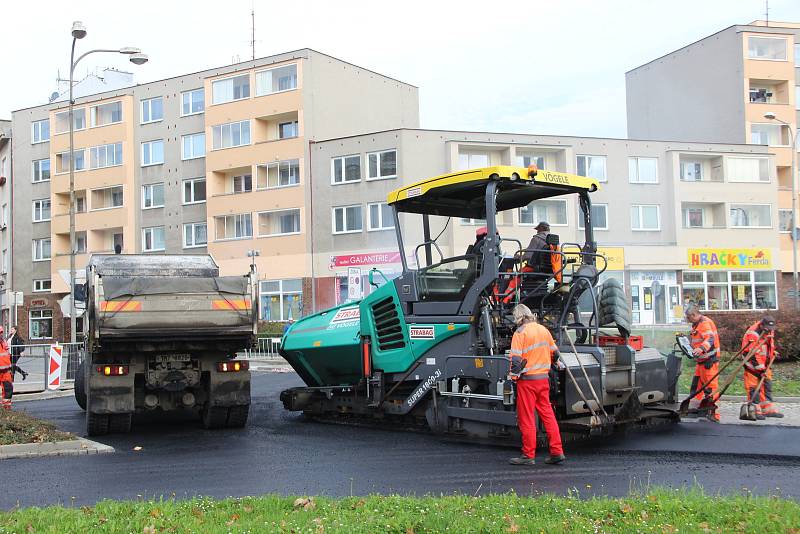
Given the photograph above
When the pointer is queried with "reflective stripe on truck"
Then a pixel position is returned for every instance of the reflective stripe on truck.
(120, 306)
(232, 304)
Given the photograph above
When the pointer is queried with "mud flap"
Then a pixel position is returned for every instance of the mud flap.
(228, 389)
(109, 394)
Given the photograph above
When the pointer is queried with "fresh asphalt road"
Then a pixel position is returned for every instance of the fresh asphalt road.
(281, 452)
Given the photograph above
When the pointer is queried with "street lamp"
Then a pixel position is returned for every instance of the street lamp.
(772, 117)
(137, 58)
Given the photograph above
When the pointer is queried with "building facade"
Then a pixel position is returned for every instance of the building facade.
(7, 298)
(213, 161)
(718, 89)
(673, 236)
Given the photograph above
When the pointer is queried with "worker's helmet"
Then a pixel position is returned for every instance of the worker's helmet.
(543, 225)
(481, 232)
(768, 322)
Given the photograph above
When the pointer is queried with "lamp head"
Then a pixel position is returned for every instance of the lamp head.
(78, 30)
(769, 115)
(138, 58)
(129, 50)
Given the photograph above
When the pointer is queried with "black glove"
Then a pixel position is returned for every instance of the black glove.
(518, 363)
(709, 363)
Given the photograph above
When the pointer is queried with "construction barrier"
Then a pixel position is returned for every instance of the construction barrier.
(266, 349)
(35, 360)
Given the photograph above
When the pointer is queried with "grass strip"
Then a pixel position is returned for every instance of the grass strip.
(19, 427)
(661, 511)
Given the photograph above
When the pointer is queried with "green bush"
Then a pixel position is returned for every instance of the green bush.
(271, 328)
(732, 326)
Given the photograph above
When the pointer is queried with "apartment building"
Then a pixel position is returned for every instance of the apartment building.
(718, 89)
(679, 222)
(7, 298)
(213, 161)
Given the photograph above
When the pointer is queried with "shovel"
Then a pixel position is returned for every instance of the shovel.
(748, 410)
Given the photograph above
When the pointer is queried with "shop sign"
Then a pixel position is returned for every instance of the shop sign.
(38, 303)
(615, 258)
(729, 258)
(359, 260)
(664, 277)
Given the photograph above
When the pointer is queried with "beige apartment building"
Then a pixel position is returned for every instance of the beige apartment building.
(7, 298)
(214, 161)
(718, 89)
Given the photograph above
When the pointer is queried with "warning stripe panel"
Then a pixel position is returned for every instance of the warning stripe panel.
(120, 306)
(232, 304)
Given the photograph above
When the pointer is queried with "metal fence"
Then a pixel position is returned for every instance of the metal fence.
(266, 349)
(35, 360)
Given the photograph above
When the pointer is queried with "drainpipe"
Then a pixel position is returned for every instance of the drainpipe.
(311, 226)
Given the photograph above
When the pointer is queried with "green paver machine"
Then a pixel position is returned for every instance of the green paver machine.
(429, 348)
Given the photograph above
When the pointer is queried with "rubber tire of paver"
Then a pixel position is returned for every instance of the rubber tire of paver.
(120, 423)
(96, 424)
(214, 417)
(237, 416)
(80, 386)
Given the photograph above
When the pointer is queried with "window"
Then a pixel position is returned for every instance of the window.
(194, 191)
(346, 169)
(552, 211)
(599, 217)
(276, 80)
(768, 134)
(80, 202)
(153, 152)
(751, 215)
(382, 165)
(78, 120)
(234, 226)
(80, 242)
(41, 170)
(106, 114)
(380, 216)
(693, 217)
(287, 130)
(766, 48)
(42, 285)
(230, 135)
(193, 102)
(347, 219)
(153, 196)
(272, 223)
(645, 218)
(593, 167)
(230, 89)
(105, 156)
(193, 146)
(41, 324)
(40, 131)
(195, 235)
(531, 159)
(785, 221)
(41, 249)
(242, 184)
(152, 110)
(691, 171)
(730, 290)
(279, 174)
(643, 170)
(41, 210)
(797, 55)
(62, 161)
(107, 198)
(153, 239)
(281, 300)
(4, 261)
(748, 170)
(469, 160)
(466, 221)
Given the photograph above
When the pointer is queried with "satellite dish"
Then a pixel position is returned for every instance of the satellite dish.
(54, 95)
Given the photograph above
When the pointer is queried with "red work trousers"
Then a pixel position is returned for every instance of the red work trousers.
(533, 397)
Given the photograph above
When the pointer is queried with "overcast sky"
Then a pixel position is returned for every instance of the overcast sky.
(547, 67)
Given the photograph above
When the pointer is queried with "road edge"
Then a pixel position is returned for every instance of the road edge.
(73, 447)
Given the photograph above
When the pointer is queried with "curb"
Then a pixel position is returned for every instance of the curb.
(75, 447)
(42, 395)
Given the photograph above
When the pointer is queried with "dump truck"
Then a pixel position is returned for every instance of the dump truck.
(162, 334)
(429, 348)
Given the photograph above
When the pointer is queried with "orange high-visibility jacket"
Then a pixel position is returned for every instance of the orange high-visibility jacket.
(704, 335)
(534, 342)
(764, 353)
(5, 361)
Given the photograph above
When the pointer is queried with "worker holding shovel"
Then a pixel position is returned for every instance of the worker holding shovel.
(705, 348)
(757, 371)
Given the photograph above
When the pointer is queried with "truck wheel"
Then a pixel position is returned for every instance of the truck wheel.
(96, 424)
(237, 416)
(120, 423)
(80, 386)
(214, 417)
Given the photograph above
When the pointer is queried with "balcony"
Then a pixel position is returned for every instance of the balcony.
(769, 92)
(701, 168)
(703, 215)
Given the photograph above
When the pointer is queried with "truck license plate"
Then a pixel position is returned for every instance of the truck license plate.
(165, 358)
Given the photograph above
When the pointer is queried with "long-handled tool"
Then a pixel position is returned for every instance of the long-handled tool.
(585, 374)
(684, 407)
(748, 411)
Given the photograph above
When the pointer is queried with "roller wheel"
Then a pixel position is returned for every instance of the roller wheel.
(80, 386)
(237, 416)
(120, 423)
(214, 417)
(96, 424)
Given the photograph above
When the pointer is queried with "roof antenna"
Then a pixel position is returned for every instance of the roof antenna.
(253, 28)
(767, 12)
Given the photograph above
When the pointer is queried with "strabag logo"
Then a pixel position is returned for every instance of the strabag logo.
(423, 388)
(345, 317)
(421, 332)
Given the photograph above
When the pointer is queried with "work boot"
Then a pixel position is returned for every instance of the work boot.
(713, 417)
(553, 460)
(760, 416)
(522, 460)
(24, 375)
(778, 415)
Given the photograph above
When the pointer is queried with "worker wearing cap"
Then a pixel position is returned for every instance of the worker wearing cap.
(538, 242)
(532, 353)
(6, 374)
(705, 348)
(759, 365)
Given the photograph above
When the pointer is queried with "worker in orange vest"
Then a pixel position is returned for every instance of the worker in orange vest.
(705, 348)
(6, 374)
(532, 353)
(758, 365)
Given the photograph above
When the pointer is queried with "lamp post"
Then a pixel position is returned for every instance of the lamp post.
(771, 116)
(137, 58)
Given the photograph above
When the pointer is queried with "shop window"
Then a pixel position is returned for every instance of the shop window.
(730, 290)
(40, 324)
(281, 300)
